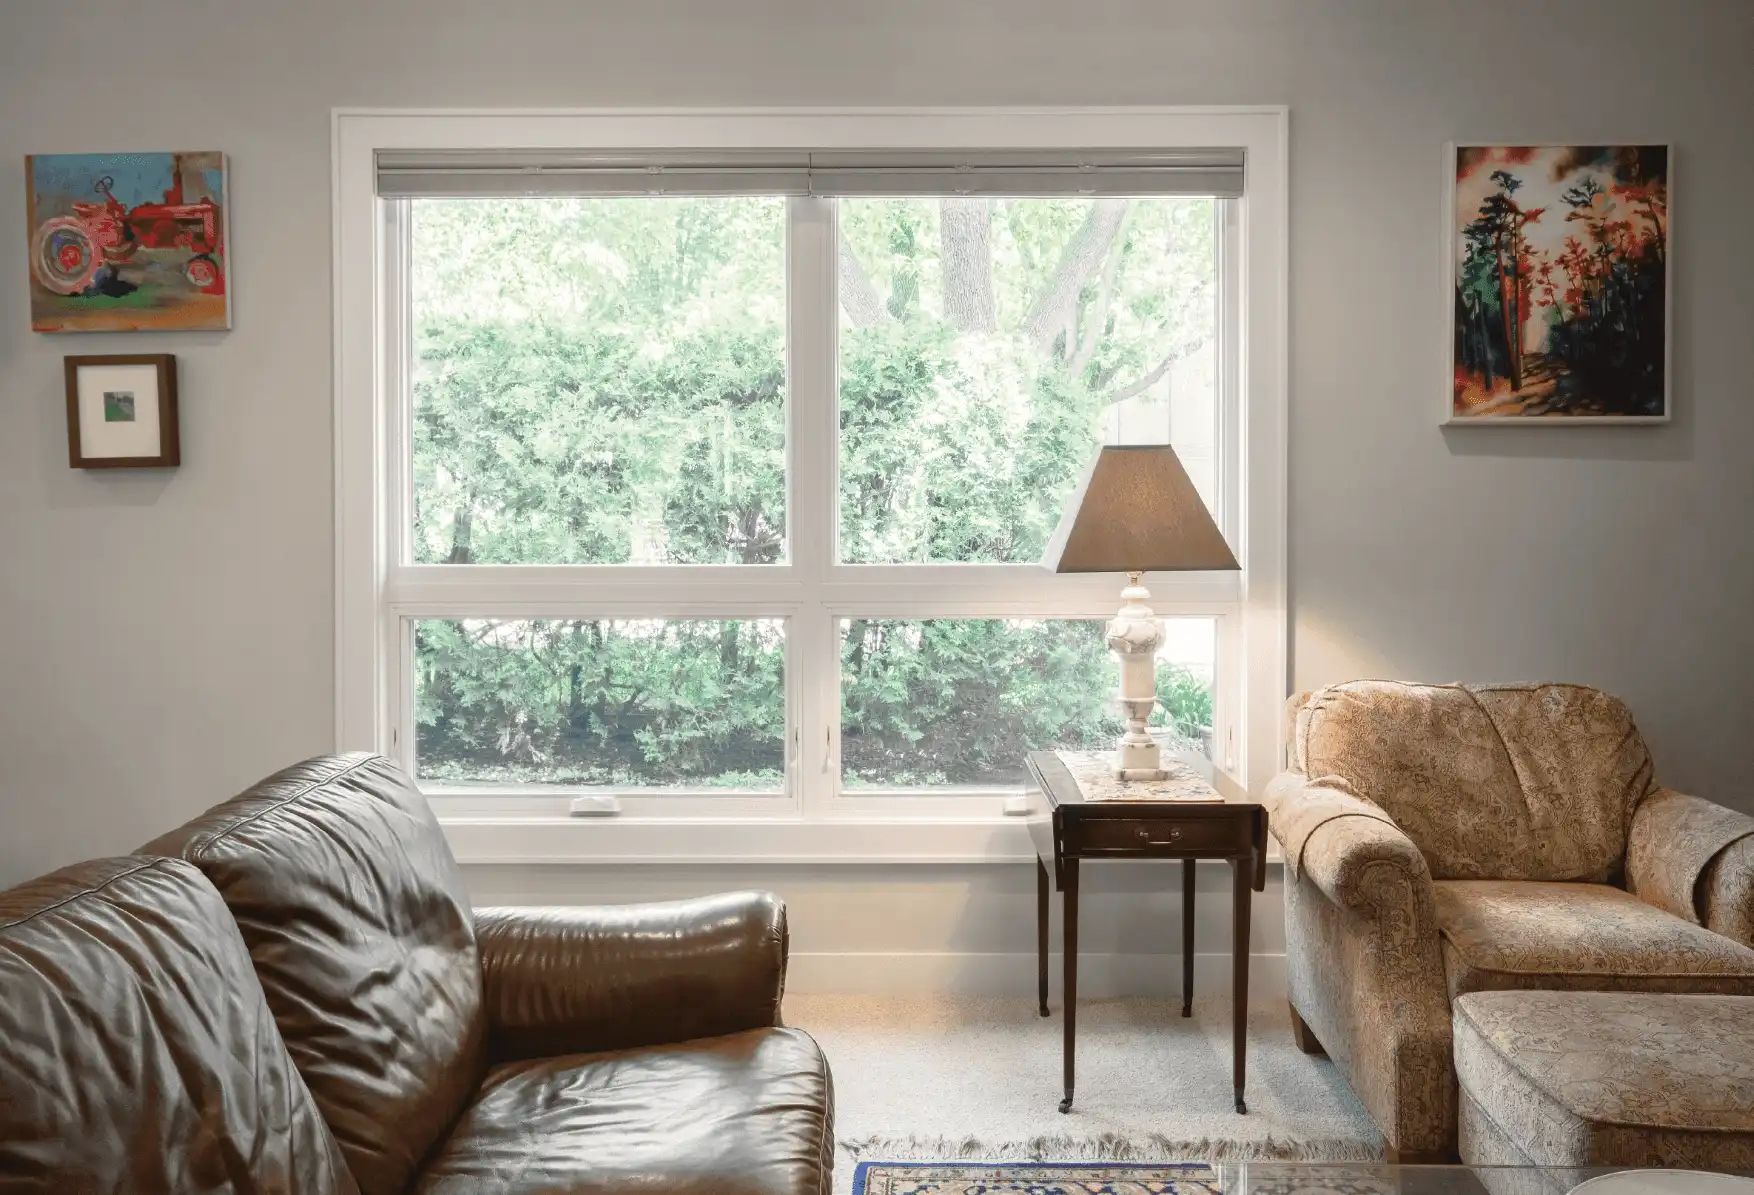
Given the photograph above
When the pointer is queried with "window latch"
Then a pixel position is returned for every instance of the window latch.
(595, 805)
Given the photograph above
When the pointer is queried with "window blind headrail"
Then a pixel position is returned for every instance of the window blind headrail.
(475, 173)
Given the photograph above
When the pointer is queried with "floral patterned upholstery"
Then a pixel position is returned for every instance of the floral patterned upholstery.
(1400, 794)
(1606, 1079)
(1503, 782)
(1677, 841)
(1500, 934)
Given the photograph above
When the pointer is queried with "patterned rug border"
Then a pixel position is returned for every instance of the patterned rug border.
(861, 1172)
(1109, 1147)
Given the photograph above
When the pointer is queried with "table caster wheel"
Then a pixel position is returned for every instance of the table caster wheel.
(1066, 1104)
(1240, 1105)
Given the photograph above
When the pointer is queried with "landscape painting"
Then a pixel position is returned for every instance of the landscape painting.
(128, 242)
(1559, 280)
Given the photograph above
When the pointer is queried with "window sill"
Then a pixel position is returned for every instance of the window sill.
(546, 841)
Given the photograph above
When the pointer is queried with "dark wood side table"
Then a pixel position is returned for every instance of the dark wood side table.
(1065, 828)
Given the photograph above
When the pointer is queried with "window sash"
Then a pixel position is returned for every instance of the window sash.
(813, 787)
(811, 589)
(823, 173)
(812, 442)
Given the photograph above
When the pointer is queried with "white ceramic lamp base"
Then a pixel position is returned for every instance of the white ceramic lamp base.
(1134, 635)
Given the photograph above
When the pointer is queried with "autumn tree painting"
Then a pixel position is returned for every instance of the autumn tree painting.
(1561, 282)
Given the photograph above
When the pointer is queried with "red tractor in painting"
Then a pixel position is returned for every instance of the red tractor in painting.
(68, 253)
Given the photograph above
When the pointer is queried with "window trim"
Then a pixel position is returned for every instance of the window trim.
(370, 494)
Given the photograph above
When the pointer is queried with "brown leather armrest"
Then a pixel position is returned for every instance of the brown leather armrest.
(566, 980)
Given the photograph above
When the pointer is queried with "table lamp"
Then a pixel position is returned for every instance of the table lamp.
(1135, 511)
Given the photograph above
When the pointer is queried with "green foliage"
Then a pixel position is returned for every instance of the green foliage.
(959, 445)
(599, 382)
(956, 701)
(1184, 701)
(603, 381)
(592, 702)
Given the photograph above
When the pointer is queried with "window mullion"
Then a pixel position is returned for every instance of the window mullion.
(810, 447)
(812, 296)
(397, 345)
(1230, 379)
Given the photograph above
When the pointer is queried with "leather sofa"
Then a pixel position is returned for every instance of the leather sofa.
(1447, 839)
(291, 994)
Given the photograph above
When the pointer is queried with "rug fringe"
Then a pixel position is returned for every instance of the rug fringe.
(1108, 1147)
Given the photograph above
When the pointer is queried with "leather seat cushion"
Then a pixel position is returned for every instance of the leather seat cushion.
(1500, 934)
(136, 1049)
(1608, 1078)
(359, 924)
(746, 1114)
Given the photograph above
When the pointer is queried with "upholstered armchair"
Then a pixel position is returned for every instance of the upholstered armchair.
(1441, 839)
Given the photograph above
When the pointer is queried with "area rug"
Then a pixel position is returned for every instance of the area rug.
(1124, 1178)
(967, 1080)
(1034, 1178)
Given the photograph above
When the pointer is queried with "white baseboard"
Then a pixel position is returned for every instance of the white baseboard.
(963, 974)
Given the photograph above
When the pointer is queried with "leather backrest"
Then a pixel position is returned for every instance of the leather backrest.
(1507, 782)
(136, 1048)
(355, 914)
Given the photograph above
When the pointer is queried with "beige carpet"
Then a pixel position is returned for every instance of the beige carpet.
(946, 1077)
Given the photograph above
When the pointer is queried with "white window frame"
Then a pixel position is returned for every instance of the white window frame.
(376, 593)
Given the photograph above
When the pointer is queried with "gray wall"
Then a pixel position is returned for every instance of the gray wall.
(166, 638)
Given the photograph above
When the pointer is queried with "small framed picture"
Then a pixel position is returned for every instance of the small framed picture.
(122, 412)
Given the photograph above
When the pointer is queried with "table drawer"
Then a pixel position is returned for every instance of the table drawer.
(1167, 836)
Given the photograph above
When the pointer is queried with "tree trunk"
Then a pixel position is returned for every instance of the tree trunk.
(1650, 212)
(1519, 305)
(461, 525)
(1507, 310)
(1090, 337)
(1056, 306)
(574, 675)
(858, 297)
(1485, 345)
(965, 234)
(1123, 393)
(728, 647)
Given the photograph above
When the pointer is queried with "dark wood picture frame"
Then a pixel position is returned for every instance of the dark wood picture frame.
(169, 442)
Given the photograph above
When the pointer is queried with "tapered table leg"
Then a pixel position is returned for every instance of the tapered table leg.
(1069, 933)
(1041, 934)
(1239, 965)
(1187, 937)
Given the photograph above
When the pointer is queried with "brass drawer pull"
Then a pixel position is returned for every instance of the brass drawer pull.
(1175, 833)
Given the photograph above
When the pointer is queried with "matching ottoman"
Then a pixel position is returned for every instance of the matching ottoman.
(1586, 1079)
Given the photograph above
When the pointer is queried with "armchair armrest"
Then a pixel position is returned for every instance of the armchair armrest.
(1350, 849)
(564, 980)
(1372, 868)
(1695, 859)
(1364, 965)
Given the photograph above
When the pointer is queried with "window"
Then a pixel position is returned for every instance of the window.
(598, 380)
(669, 703)
(987, 346)
(945, 702)
(713, 481)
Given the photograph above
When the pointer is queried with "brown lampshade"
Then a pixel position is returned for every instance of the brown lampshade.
(1136, 511)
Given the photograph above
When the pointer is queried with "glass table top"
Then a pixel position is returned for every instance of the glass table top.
(1368, 1178)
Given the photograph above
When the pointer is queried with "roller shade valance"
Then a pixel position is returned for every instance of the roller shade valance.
(463, 173)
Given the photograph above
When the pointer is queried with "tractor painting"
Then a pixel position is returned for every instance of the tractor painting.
(128, 242)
